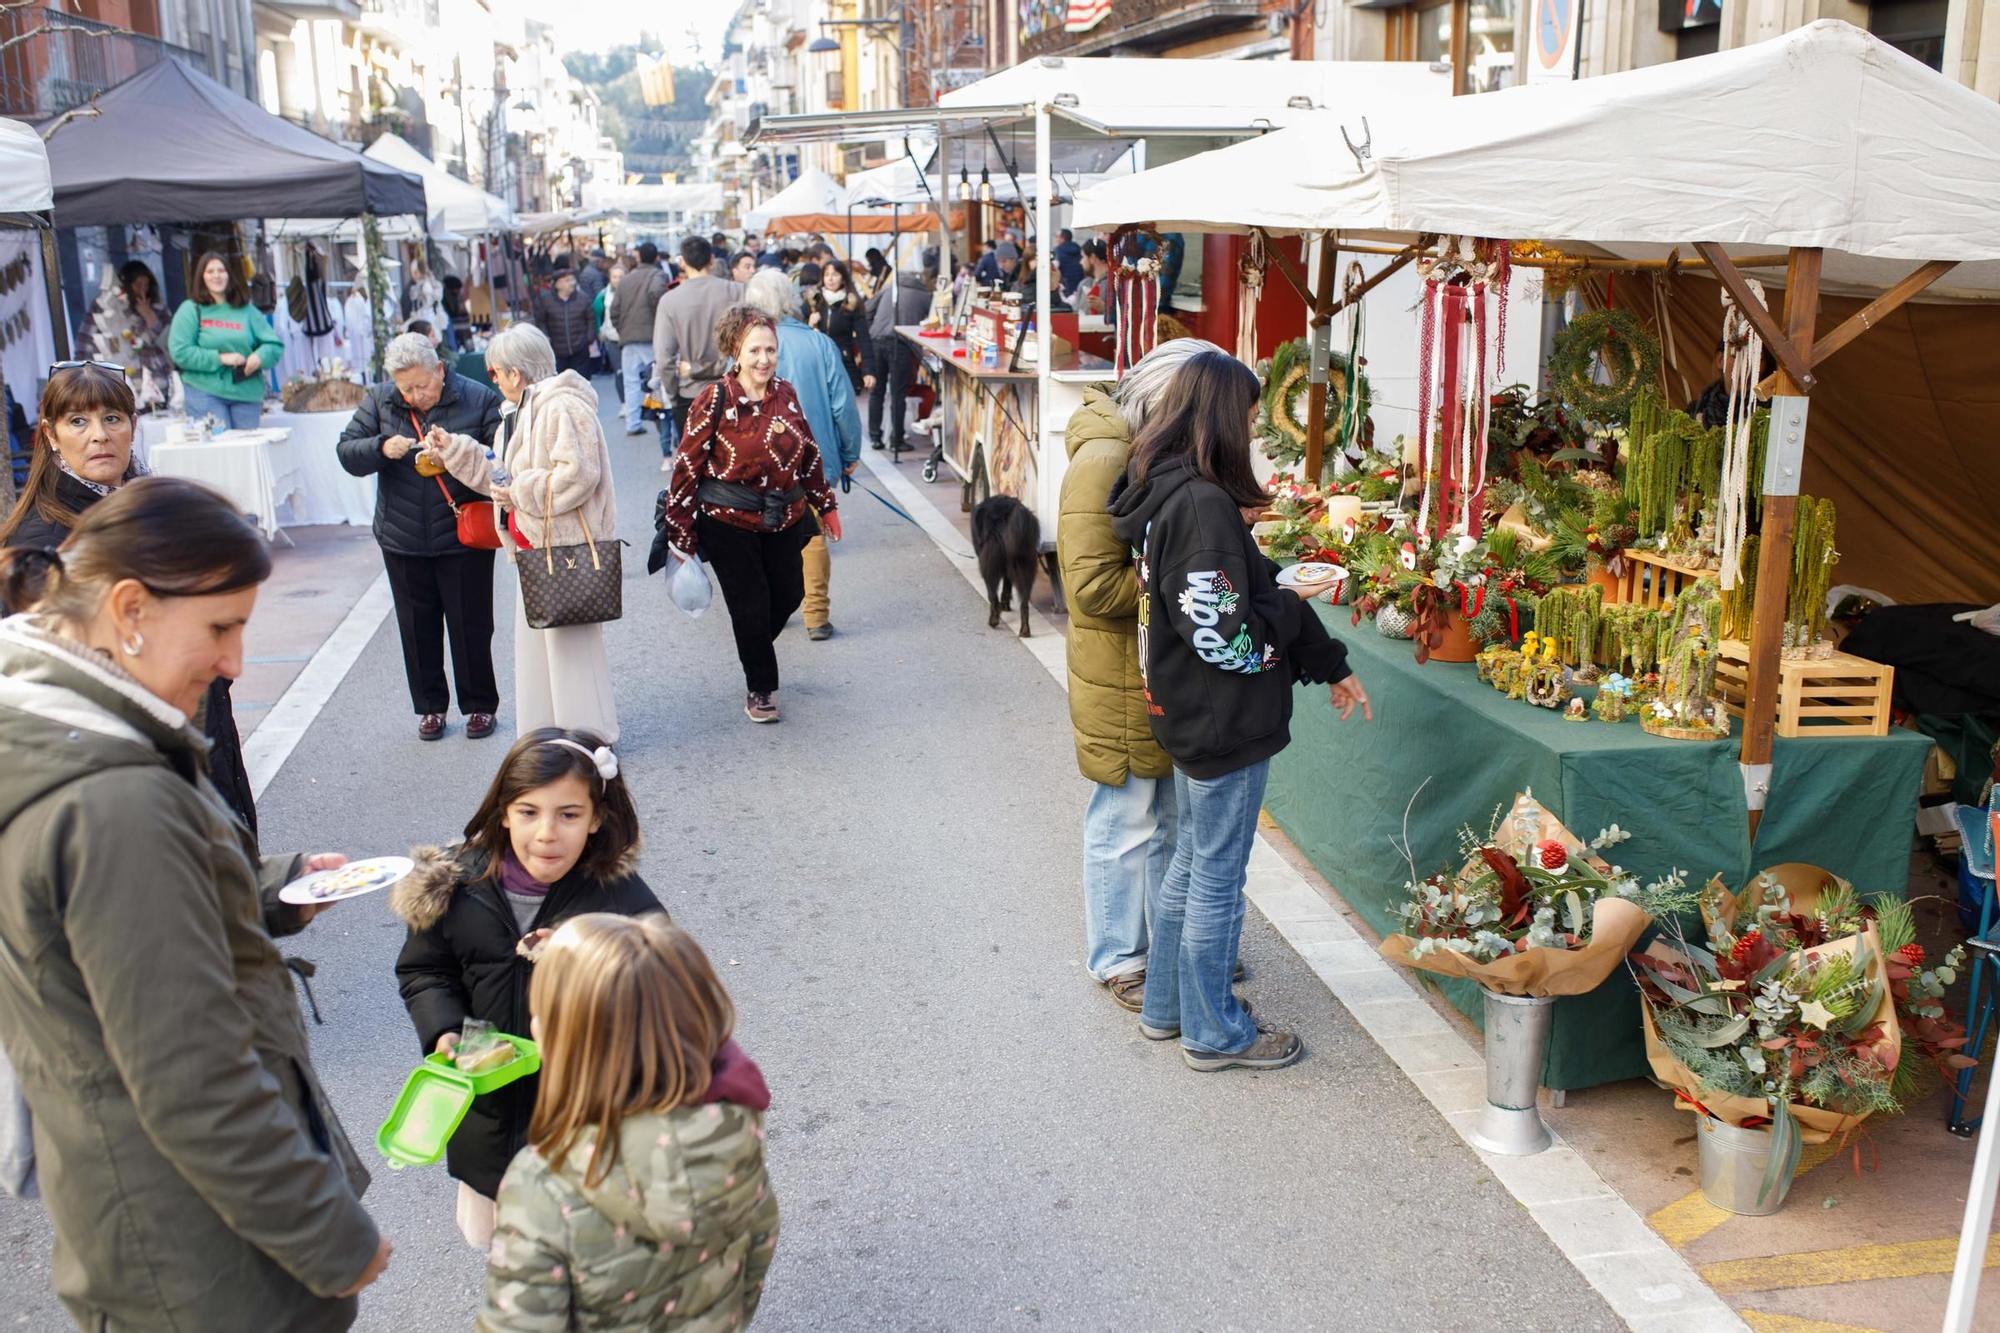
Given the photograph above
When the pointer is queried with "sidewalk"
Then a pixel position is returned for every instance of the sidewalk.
(313, 585)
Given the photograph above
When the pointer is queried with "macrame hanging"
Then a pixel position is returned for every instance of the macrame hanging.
(1250, 271)
(1135, 284)
(1743, 356)
(1456, 375)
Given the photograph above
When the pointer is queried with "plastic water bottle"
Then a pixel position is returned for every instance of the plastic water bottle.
(497, 471)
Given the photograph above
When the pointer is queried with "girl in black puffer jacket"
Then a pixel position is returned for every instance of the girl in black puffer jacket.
(556, 837)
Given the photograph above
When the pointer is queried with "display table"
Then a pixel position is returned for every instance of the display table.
(286, 473)
(328, 492)
(1340, 789)
(256, 469)
(992, 417)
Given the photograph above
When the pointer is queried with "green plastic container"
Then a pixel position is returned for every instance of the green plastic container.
(436, 1097)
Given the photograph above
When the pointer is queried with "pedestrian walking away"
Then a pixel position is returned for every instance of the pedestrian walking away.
(442, 589)
(636, 300)
(563, 313)
(744, 487)
(1128, 822)
(1220, 646)
(555, 485)
(194, 1170)
(222, 345)
(811, 363)
(556, 836)
(685, 357)
(642, 1202)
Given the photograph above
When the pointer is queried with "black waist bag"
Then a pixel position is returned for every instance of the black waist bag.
(772, 505)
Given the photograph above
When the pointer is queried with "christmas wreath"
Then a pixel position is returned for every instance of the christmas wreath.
(1630, 356)
(1145, 259)
(1281, 420)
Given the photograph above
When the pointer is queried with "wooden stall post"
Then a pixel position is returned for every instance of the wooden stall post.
(1319, 328)
(1774, 546)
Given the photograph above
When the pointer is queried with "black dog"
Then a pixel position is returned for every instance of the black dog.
(1008, 538)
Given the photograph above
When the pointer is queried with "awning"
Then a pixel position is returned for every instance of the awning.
(813, 192)
(172, 145)
(1825, 136)
(540, 224)
(457, 205)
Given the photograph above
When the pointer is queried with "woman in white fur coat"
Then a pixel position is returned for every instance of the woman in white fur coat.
(552, 446)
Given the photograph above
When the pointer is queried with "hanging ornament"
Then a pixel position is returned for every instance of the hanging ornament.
(1135, 283)
(1461, 276)
(1743, 356)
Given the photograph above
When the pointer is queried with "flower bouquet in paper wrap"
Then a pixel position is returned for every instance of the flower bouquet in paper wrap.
(1804, 1040)
(1800, 906)
(1533, 910)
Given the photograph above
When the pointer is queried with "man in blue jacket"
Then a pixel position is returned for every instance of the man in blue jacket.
(810, 362)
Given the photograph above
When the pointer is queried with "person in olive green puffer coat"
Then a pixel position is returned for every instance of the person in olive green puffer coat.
(1128, 826)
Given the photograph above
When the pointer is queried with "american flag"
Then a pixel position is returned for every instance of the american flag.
(1085, 14)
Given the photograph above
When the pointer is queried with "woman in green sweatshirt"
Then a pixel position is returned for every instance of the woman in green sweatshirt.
(221, 344)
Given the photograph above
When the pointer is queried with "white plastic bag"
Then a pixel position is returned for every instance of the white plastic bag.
(689, 585)
(1988, 620)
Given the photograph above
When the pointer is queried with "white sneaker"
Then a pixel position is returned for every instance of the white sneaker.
(667, 463)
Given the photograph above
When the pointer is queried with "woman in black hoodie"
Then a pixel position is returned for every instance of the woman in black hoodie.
(1220, 646)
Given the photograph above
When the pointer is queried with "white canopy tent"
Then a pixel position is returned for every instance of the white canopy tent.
(813, 193)
(24, 170)
(456, 205)
(1825, 137)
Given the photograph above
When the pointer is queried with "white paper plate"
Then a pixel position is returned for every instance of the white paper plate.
(348, 881)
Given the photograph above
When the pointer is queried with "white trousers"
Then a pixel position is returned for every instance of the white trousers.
(562, 679)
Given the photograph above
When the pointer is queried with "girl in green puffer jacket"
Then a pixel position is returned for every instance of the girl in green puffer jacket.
(641, 1200)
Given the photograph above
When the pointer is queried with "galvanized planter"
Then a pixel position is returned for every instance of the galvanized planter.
(1733, 1162)
(1517, 1040)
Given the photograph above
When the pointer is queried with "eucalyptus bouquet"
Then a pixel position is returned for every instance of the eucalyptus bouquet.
(1532, 910)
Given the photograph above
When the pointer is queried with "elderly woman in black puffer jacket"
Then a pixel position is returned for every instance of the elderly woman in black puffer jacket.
(440, 587)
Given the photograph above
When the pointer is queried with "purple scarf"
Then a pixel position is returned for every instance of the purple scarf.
(515, 879)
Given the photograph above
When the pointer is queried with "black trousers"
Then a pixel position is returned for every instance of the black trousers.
(892, 381)
(440, 596)
(583, 363)
(763, 582)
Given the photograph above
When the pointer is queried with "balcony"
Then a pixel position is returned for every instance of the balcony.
(71, 62)
(403, 22)
(1149, 26)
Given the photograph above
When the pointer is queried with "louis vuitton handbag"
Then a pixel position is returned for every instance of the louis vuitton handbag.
(571, 585)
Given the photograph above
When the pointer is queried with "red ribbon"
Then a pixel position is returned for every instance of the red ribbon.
(1513, 617)
(1468, 605)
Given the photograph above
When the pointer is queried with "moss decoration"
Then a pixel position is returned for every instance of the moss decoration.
(1813, 559)
(1281, 420)
(1630, 356)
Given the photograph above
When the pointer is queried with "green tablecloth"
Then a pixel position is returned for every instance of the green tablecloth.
(1340, 789)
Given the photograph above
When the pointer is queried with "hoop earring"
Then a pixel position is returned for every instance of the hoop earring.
(133, 643)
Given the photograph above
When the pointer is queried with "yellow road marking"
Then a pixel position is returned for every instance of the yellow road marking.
(1854, 1263)
(1761, 1322)
(1686, 1220)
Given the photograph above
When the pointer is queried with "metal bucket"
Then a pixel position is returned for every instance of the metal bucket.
(1733, 1162)
(1517, 1040)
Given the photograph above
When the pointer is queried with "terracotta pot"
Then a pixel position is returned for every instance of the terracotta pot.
(1457, 645)
(1603, 578)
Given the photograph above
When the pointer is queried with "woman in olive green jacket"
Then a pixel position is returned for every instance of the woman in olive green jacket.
(194, 1170)
(1128, 826)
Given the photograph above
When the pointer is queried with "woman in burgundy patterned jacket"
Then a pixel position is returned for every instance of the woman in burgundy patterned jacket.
(747, 485)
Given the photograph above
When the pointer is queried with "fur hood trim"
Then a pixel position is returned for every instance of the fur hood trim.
(420, 898)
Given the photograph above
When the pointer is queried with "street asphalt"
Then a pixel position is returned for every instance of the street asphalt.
(966, 1132)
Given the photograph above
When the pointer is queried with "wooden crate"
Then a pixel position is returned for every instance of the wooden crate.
(1651, 580)
(1823, 696)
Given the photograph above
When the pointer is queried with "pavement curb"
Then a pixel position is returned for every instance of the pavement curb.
(1645, 1282)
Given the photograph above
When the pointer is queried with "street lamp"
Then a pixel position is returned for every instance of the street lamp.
(985, 186)
(822, 45)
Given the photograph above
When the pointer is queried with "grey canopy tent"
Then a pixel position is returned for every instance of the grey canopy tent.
(172, 145)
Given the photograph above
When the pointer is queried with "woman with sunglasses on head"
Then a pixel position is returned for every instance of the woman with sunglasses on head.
(222, 345)
(82, 453)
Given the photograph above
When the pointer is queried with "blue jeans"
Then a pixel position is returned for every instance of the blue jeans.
(1128, 838)
(1198, 918)
(633, 358)
(670, 434)
(232, 414)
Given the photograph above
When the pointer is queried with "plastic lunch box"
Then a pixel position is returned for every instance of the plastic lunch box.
(436, 1097)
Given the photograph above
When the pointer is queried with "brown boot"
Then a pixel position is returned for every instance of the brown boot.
(1129, 990)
